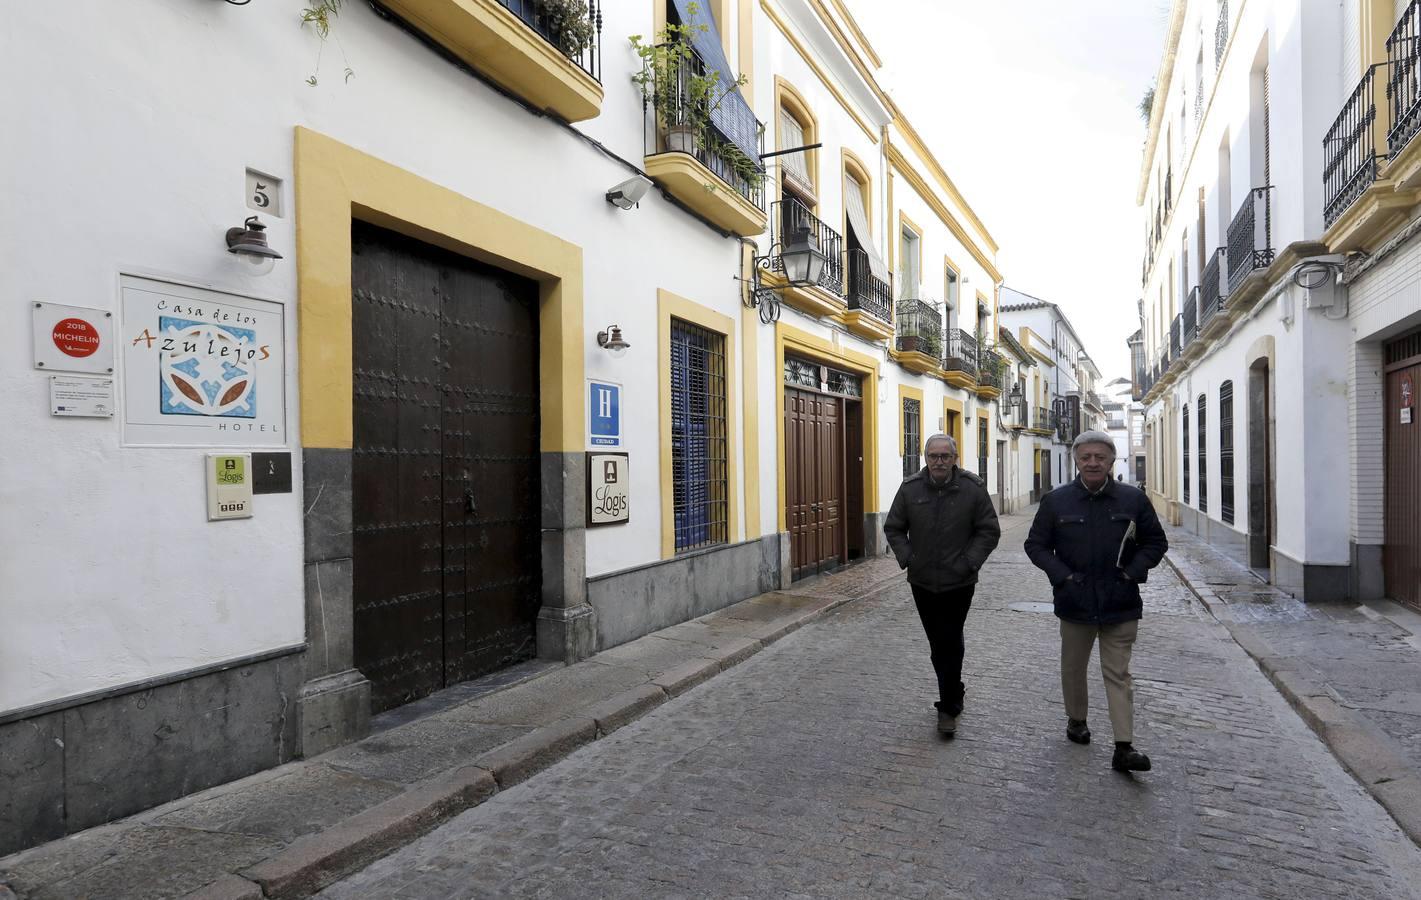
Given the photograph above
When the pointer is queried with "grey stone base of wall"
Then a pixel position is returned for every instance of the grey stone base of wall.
(875, 543)
(89, 762)
(638, 601)
(1309, 582)
(1229, 540)
(567, 635)
(1368, 577)
(332, 711)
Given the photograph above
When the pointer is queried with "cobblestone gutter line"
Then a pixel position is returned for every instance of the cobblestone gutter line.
(306, 863)
(1369, 756)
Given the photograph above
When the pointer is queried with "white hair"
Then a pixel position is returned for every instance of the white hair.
(940, 437)
(1093, 437)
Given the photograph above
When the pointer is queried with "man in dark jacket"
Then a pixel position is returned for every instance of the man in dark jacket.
(942, 527)
(1096, 540)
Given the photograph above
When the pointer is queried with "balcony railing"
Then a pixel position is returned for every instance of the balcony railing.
(866, 292)
(1250, 236)
(1189, 319)
(1403, 53)
(791, 217)
(991, 369)
(1349, 150)
(580, 41)
(919, 327)
(1212, 291)
(960, 353)
(1041, 419)
(1174, 338)
(1221, 34)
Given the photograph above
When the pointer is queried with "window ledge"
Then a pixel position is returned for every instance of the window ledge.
(686, 179)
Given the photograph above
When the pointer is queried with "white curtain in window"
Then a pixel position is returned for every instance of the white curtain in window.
(795, 166)
(908, 280)
(858, 221)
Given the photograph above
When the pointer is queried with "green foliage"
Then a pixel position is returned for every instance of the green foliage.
(1147, 104)
(569, 25)
(667, 79)
(319, 15)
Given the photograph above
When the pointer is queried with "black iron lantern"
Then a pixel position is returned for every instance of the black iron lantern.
(803, 260)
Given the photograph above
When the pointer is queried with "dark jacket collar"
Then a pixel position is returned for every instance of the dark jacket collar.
(1107, 491)
(949, 484)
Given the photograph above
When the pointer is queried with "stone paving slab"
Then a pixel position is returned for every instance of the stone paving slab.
(813, 770)
(1352, 672)
(289, 831)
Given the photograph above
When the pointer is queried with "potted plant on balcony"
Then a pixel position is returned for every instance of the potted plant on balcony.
(682, 98)
(568, 24)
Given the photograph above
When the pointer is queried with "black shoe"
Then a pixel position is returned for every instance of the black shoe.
(1128, 759)
(946, 723)
(1078, 731)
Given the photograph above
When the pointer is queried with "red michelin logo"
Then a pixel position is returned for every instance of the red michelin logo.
(75, 337)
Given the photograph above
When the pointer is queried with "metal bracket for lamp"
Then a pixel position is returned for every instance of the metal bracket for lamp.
(803, 264)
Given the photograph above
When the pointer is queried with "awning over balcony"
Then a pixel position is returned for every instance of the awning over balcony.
(858, 223)
(732, 117)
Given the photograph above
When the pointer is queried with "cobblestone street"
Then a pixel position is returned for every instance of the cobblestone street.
(813, 770)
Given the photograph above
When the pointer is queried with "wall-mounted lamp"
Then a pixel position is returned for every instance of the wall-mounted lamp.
(249, 244)
(1016, 401)
(629, 192)
(803, 264)
(611, 341)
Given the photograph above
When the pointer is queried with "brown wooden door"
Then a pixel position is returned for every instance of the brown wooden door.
(854, 536)
(1401, 556)
(445, 472)
(814, 471)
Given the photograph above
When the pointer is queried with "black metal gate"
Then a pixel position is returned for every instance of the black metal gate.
(445, 477)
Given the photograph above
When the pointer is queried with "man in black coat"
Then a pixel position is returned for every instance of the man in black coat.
(1096, 540)
(942, 527)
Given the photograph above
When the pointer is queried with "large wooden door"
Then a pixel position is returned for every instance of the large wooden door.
(445, 472)
(814, 473)
(1401, 556)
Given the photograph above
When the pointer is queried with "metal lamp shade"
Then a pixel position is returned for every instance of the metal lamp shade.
(804, 263)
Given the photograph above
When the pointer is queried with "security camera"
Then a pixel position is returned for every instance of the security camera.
(626, 194)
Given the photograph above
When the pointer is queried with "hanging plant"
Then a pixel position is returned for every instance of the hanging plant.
(569, 25)
(319, 16)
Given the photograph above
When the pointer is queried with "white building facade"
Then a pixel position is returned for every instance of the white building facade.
(1243, 351)
(530, 377)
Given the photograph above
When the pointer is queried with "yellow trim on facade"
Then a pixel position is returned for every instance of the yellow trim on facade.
(898, 161)
(858, 33)
(668, 306)
(920, 147)
(702, 191)
(788, 97)
(850, 50)
(720, 14)
(747, 47)
(750, 380)
(486, 36)
(905, 393)
(818, 70)
(951, 407)
(802, 343)
(336, 184)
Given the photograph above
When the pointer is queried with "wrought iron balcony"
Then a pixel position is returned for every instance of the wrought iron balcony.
(1174, 338)
(1212, 291)
(1349, 151)
(919, 327)
(1403, 53)
(791, 217)
(960, 354)
(867, 292)
(580, 40)
(1041, 419)
(1189, 319)
(1250, 236)
(991, 369)
(1221, 34)
(674, 125)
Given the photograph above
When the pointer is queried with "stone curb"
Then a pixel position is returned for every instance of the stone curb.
(1372, 761)
(318, 860)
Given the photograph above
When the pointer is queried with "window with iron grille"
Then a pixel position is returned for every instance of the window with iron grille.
(1226, 450)
(1185, 431)
(982, 448)
(912, 435)
(1203, 455)
(699, 452)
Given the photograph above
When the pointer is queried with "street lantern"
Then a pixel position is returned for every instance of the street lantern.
(803, 260)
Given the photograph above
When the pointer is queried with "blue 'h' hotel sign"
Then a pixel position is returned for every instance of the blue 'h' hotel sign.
(604, 405)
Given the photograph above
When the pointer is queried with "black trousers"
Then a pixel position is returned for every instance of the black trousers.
(943, 614)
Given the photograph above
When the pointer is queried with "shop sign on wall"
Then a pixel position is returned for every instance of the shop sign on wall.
(73, 338)
(201, 368)
(604, 414)
(607, 489)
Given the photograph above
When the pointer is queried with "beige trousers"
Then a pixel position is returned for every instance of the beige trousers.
(1116, 642)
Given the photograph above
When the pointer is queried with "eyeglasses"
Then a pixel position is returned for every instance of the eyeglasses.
(941, 457)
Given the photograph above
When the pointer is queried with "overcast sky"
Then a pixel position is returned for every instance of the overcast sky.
(1032, 107)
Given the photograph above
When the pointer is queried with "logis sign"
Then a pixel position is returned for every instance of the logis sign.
(607, 501)
(201, 368)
